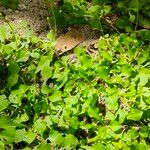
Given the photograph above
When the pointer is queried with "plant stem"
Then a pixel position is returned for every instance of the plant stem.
(137, 14)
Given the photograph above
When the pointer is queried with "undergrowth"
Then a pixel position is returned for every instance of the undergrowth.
(99, 101)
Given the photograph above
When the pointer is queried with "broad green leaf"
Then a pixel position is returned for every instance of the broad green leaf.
(143, 57)
(56, 96)
(135, 115)
(3, 102)
(23, 118)
(56, 138)
(29, 137)
(44, 62)
(46, 73)
(13, 67)
(118, 145)
(115, 126)
(93, 9)
(144, 76)
(2, 33)
(102, 72)
(122, 115)
(2, 145)
(84, 59)
(93, 112)
(8, 134)
(39, 126)
(144, 132)
(46, 89)
(19, 136)
(14, 97)
(132, 133)
(12, 80)
(111, 102)
(4, 122)
(70, 141)
(35, 55)
(43, 146)
(122, 22)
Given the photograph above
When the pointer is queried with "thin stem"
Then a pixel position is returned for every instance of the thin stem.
(12, 30)
(100, 25)
(53, 16)
(137, 14)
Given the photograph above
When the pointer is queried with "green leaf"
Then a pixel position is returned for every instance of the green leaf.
(84, 59)
(29, 137)
(12, 80)
(2, 33)
(13, 67)
(3, 102)
(56, 96)
(143, 57)
(46, 73)
(8, 134)
(2, 145)
(144, 76)
(15, 97)
(132, 17)
(135, 115)
(102, 72)
(43, 146)
(70, 141)
(19, 136)
(44, 62)
(40, 126)
(46, 89)
(56, 138)
(132, 133)
(122, 22)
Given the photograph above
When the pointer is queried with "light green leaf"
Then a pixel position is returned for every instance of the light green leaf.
(8, 134)
(3, 102)
(12, 79)
(40, 126)
(19, 136)
(132, 133)
(46, 89)
(55, 137)
(29, 137)
(43, 146)
(46, 73)
(135, 115)
(2, 145)
(56, 96)
(144, 76)
(2, 33)
(44, 62)
(15, 97)
(70, 141)
(143, 57)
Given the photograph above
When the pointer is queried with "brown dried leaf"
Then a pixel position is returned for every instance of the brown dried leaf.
(68, 41)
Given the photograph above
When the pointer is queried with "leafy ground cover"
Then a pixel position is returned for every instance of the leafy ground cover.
(99, 101)
(103, 15)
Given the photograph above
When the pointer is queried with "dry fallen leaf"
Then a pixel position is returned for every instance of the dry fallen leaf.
(68, 41)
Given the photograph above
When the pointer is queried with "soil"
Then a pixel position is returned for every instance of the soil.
(32, 12)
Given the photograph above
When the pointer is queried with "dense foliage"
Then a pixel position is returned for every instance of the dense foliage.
(103, 15)
(9, 3)
(100, 100)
